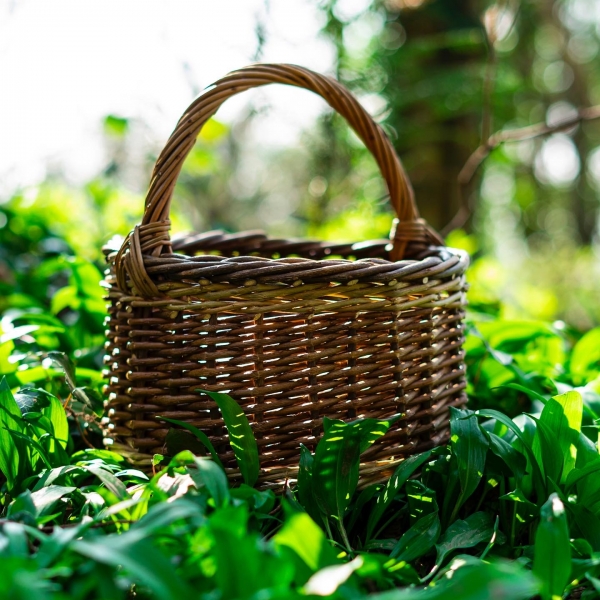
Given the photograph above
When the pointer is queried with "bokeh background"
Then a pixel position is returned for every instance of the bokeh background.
(91, 90)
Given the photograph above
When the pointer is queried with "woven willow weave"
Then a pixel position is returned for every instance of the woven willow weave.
(292, 335)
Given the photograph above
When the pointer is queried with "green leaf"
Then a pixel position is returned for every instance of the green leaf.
(394, 484)
(585, 358)
(552, 550)
(14, 456)
(518, 496)
(307, 540)
(336, 468)
(210, 475)
(337, 459)
(306, 495)
(243, 564)
(56, 413)
(30, 399)
(141, 559)
(419, 539)
(46, 498)
(472, 579)
(577, 475)
(515, 461)
(555, 444)
(200, 435)
(112, 483)
(326, 581)
(469, 449)
(535, 467)
(241, 438)
(476, 528)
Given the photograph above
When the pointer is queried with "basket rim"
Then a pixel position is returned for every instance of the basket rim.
(255, 260)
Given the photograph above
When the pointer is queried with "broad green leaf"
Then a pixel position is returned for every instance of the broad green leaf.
(469, 449)
(587, 522)
(307, 540)
(472, 579)
(241, 438)
(577, 475)
(326, 581)
(200, 435)
(259, 501)
(476, 528)
(518, 496)
(7, 366)
(419, 539)
(547, 452)
(143, 560)
(552, 551)
(394, 484)
(112, 483)
(585, 358)
(336, 468)
(556, 440)
(421, 500)
(56, 413)
(535, 467)
(337, 459)
(162, 515)
(14, 457)
(515, 461)
(31, 399)
(243, 564)
(23, 503)
(357, 512)
(46, 498)
(305, 489)
(210, 475)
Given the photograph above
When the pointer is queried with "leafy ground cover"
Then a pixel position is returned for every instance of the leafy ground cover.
(510, 508)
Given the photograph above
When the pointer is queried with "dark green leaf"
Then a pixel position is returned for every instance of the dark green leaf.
(476, 528)
(46, 498)
(241, 437)
(419, 539)
(552, 556)
(535, 467)
(306, 495)
(385, 497)
(515, 461)
(469, 449)
(200, 435)
(336, 462)
(112, 483)
(210, 475)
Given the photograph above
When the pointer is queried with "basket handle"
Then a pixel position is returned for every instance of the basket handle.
(152, 236)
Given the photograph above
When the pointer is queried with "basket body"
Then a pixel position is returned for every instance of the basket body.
(290, 333)
(292, 340)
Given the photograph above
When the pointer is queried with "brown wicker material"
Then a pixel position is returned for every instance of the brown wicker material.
(291, 334)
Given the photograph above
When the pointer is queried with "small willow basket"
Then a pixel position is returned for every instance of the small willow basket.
(292, 335)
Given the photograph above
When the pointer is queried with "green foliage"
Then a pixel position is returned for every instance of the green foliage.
(85, 523)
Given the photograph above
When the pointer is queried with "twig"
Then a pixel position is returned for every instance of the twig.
(517, 135)
(503, 137)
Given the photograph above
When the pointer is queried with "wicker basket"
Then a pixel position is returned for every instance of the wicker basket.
(291, 334)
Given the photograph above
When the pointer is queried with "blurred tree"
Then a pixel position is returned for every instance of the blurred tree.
(451, 72)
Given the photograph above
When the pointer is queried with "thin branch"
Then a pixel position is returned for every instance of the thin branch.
(517, 135)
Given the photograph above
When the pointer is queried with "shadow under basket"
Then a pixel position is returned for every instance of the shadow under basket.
(292, 334)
